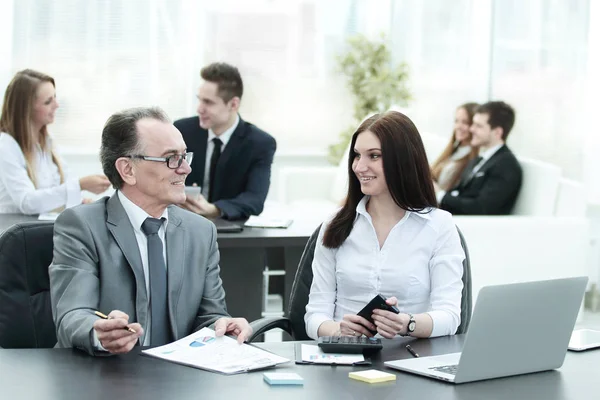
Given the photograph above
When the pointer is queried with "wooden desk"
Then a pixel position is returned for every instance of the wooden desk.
(70, 374)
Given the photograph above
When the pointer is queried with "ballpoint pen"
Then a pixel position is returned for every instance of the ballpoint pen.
(104, 316)
(411, 351)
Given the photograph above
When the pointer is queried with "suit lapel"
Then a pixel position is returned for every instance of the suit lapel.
(487, 165)
(120, 227)
(467, 173)
(175, 238)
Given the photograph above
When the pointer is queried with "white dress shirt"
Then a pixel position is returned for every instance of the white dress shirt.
(448, 172)
(18, 195)
(420, 264)
(225, 136)
(137, 216)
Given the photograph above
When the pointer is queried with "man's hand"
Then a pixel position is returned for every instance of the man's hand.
(112, 333)
(200, 205)
(235, 326)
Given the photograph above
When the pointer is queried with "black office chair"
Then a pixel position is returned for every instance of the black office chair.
(294, 324)
(25, 307)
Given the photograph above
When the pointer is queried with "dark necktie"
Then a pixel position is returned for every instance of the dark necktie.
(157, 274)
(214, 159)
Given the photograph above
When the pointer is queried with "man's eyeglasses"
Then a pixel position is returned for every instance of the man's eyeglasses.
(173, 161)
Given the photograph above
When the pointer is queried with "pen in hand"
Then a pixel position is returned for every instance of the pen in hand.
(411, 351)
(103, 316)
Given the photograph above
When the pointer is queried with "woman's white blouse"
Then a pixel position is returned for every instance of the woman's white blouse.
(420, 263)
(18, 195)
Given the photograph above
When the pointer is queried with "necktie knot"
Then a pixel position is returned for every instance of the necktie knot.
(152, 225)
(478, 160)
(217, 142)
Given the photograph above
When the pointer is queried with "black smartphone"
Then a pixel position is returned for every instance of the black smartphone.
(377, 302)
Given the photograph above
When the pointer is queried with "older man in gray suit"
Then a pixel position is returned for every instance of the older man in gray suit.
(153, 265)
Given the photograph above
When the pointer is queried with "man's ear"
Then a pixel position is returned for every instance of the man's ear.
(498, 132)
(126, 169)
(234, 104)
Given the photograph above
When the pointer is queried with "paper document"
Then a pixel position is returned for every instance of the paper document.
(49, 216)
(314, 354)
(265, 222)
(223, 354)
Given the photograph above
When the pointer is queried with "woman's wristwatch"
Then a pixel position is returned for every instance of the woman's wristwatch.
(412, 324)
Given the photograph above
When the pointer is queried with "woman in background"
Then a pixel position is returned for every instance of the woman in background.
(388, 238)
(32, 176)
(447, 169)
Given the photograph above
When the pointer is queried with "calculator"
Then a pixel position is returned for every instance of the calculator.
(349, 344)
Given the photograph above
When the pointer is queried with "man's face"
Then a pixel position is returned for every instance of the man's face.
(483, 134)
(157, 185)
(214, 113)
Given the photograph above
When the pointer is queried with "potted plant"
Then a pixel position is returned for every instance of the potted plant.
(374, 82)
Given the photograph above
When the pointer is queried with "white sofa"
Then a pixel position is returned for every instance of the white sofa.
(547, 237)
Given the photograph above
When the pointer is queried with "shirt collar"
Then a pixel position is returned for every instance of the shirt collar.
(225, 136)
(136, 215)
(486, 155)
(361, 209)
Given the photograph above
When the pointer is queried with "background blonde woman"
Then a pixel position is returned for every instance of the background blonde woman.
(446, 170)
(32, 177)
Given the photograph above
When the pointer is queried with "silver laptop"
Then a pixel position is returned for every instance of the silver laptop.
(516, 329)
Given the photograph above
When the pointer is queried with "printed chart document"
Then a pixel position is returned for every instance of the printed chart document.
(223, 354)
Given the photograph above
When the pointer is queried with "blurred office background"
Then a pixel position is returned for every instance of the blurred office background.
(541, 56)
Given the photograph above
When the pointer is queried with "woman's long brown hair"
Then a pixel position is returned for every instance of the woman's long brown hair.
(405, 168)
(451, 147)
(15, 120)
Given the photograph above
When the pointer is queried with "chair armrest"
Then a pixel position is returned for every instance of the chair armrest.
(263, 325)
(299, 183)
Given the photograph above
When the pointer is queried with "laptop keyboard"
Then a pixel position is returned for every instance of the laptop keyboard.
(447, 369)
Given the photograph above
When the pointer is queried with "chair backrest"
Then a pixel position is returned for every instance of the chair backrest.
(304, 277)
(25, 307)
(466, 303)
(538, 189)
(301, 288)
(571, 200)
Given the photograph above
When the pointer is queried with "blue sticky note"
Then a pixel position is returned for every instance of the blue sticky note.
(283, 378)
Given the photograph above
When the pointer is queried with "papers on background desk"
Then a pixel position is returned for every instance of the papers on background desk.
(50, 216)
(312, 354)
(266, 222)
(223, 354)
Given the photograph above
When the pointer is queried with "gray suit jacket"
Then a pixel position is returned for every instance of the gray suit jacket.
(97, 266)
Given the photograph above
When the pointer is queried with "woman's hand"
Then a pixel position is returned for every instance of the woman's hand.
(388, 323)
(94, 183)
(354, 325)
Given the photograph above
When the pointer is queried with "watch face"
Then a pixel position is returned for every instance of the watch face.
(411, 326)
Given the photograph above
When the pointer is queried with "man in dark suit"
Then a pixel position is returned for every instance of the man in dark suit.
(151, 266)
(491, 182)
(232, 158)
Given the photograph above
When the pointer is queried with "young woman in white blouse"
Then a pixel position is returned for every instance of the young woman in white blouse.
(388, 238)
(449, 166)
(32, 177)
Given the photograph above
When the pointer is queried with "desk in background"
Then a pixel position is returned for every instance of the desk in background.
(243, 258)
(71, 374)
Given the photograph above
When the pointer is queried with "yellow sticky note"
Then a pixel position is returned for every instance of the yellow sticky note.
(372, 376)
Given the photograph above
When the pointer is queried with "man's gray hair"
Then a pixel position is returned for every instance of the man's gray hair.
(120, 138)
